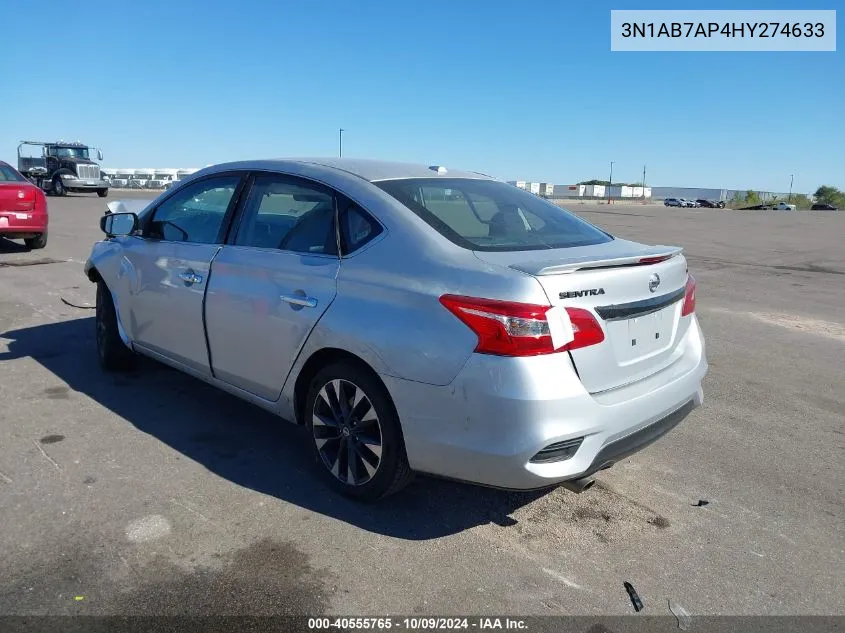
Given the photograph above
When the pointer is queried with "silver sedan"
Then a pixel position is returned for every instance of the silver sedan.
(413, 318)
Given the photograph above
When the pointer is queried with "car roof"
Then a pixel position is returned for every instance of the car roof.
(368, 169)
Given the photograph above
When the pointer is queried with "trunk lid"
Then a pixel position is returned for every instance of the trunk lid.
(635, 292)
(17, 197)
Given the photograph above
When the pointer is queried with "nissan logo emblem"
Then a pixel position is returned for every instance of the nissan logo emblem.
(653, 282)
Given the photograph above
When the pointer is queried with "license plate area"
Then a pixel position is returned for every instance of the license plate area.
(644, 336)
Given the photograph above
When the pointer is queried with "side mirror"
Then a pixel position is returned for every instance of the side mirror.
(118, 224)
(99, 155)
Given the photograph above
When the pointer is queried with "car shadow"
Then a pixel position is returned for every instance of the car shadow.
(247, 445)
(8, 246)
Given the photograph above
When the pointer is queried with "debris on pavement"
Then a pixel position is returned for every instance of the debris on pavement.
(701, 503)
(683, 616)
(73, 305)
(635, 599)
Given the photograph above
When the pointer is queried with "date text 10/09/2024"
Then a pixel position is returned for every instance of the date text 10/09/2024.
(417, 623)
(726, 29)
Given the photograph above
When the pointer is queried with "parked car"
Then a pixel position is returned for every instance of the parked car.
(520, 348)
(823, 207)
(711, 204)
(23, 208)
(689, 203)
(780, 206)
(673, 202)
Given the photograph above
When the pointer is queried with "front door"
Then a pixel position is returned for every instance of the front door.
(271, 284)
(169, 266)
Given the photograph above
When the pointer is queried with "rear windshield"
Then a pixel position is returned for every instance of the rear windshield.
(487, 215)
(7, 174)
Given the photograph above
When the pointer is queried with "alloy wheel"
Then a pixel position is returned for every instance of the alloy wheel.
(347, 432)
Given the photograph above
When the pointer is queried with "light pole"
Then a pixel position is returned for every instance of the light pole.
(791, 178)
(609, 199)
(340, 143)
(644, 183)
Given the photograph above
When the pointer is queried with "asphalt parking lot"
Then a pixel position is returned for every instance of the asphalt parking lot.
(153, 493)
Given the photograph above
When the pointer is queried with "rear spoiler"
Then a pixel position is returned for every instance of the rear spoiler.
(640, 257)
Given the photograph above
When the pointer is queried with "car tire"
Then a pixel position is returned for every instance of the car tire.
(59, 187)
(113, 354)
(369, 433)
(40, 241)
(102, 192)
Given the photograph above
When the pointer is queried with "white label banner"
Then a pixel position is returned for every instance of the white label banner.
(723, 30)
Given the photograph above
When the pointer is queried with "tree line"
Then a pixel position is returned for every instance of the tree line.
(823, 195)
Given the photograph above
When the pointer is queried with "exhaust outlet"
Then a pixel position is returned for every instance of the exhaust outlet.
(579, 485)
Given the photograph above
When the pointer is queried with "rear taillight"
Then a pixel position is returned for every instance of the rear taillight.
(655, 260)
(689, 297)
(25, 199)
(40, 205)
(586, 329)
(506, 328)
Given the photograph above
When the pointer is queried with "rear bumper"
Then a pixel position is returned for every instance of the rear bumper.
(22, 224)
(638, 440)
(499, 413)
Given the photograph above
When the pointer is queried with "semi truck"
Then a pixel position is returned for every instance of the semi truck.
(62, 167)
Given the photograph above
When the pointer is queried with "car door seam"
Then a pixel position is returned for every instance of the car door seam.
(204, 325)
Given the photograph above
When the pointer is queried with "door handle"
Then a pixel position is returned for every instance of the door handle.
(300, 300)
(190, 277)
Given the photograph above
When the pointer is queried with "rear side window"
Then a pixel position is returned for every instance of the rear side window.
(488, 215)
(357, 227)
(7, 174)
(288, 214)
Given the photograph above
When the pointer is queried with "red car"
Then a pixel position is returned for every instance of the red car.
(23, 208)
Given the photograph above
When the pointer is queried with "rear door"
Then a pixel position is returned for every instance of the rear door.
(271, 282)
(163, 283)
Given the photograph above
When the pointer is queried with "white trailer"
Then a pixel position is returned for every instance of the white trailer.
(571, 191)
(140, 177)
(641, 192)
(161, 178)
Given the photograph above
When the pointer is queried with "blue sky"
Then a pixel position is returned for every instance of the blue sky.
(519, 90)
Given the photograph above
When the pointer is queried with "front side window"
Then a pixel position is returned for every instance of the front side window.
(488, 215)
(288, 214)
(195, 213)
